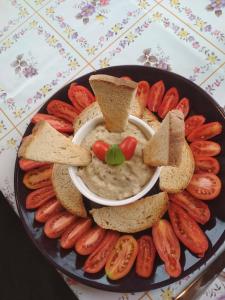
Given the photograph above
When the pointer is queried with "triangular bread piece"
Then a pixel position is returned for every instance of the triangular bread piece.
(165, 147)
(46, 144)
(114, 96)
(133, 217)
(67, 194)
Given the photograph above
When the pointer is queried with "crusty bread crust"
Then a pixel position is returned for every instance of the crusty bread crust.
(129, 84)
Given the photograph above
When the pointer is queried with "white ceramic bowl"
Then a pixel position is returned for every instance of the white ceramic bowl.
(79, 183)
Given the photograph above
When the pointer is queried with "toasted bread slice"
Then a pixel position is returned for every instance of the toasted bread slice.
(151, 119)
(165, 147)
(176, 179)
(114, 96)
(133, 217)
(46, 144)
(67, 194)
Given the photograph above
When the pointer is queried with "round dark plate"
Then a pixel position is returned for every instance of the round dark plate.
(68, 261)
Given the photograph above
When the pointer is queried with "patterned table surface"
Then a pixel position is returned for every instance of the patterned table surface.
(46, 44)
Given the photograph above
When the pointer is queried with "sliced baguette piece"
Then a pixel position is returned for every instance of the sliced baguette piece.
(46, 144)
(67, 194)
(176, 179)
(133, 217)
(114, 96)
(165, 147)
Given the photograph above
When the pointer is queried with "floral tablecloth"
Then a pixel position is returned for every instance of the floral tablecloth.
(46, 44)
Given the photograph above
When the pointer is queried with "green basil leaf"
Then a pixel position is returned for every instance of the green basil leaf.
(114, 156)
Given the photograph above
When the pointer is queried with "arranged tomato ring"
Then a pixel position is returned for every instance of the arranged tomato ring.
(38, 178)
(57, 224)
(167, 246)
(184, 106)
(47, 210)
(58, 124)
(40, 196)
(193, 122)
(80, 96)
(187, 230)
(74, 232)
(97, 260)
(205, 186)
(62, 110)
(122, 257)
(205, 148)
(169, 102)
(27, 164)
(206, 164)
(155, 96)
(196, 208)
(145, 257)
(205, 132)
(128, 146)
(100, 149)
(86, 244)
(142, 92)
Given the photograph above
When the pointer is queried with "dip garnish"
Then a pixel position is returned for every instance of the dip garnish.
(114, 156)
(100, 149)
(128, 146)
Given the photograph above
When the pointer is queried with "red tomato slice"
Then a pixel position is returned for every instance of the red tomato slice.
(90, 240)
(57, 224)
(142, 93)
(97, 260)
(47, 210)
(122, 257)
(205, 132)
(206, 164)
(74, 232)
(169, 102)
(205, 186)
(184, 106)
(145, 257)
(167, 246)
(205, 148)
(128, 146)
(187, 230)
(27, 164)
(37, 198)
(193, 122)
(156, 95)
(58, 124)
(196, 208)
(62, 110)
(38, 178)
(126, 77)
(80, 95)
(100, 149)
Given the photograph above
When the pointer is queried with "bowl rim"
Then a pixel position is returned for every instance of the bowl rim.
(81, 186)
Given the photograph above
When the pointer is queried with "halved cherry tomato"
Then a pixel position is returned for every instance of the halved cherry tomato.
(184, 106)
(205, 132)
(167, 246)
(206, 164)
(169, 102)
(62, 110)
(155, 96)
(128, 146)
(193, 122)
(47, 210)
(37, 198)
(38, 178)
(205, 186)
(57, 224)
(196, 208)
(58, 124)
(142, 93)
(145, 257)
(205, 148)
(126, 77)
(86, 244)
(80, 95)
(187, 230)
(122, 257)
(100, 148)
(97, 260)
(74, 232)
(27, 164)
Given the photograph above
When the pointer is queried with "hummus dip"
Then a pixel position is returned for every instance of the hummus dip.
(116, 182)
